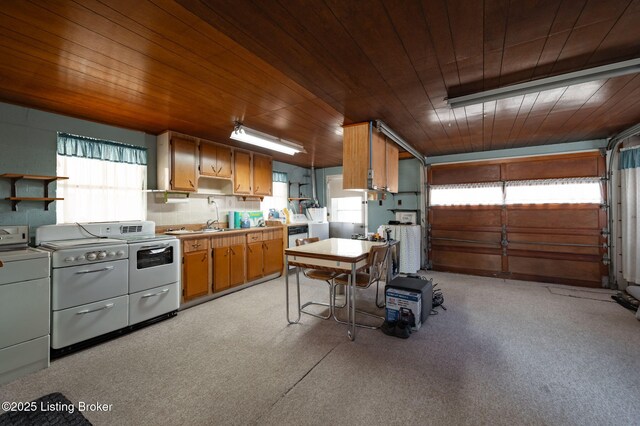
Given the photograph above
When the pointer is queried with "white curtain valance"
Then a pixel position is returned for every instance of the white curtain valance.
(467, 185)
(551, 182)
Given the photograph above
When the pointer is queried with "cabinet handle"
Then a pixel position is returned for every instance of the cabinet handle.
(213, 168)
(191, 183)
(237, 187)
(218, 172)
(108, 268)
(155, 294)
(1, 264)
(232, 252)
(88, 311)
(195, 245)
(257, 188)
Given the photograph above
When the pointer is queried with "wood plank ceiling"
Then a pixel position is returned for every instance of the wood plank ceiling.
(300, 69)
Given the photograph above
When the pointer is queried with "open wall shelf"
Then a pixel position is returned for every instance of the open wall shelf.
(46, 180)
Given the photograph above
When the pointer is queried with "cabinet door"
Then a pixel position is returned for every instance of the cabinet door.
(242, 172)
(223, 161)
(236, 264)
(183, 164)
(273, 254)
(355, 154)
(254, 261)
(392, 167)
(378, 164)
(262, 175)
(208, 155)
(220, 269)
(195, 274)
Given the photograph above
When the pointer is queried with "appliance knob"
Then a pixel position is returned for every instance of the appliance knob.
(102, 255)
(111, 254)
(91, 256)
(81, 257)
(120, 253)
(69, 259)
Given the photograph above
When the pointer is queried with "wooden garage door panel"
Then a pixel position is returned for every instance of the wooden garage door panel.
(459, 260)
(553, 168)
(467, 217)
(448, 174)
(563, 243)
(558, 218)
(555, 268)
(465, 238)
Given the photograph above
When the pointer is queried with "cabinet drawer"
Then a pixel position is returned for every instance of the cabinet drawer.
(74, 325)
(151, 303)
(252, 237)
(199, 244)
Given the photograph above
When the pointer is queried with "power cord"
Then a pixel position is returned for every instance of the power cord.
(89, 232)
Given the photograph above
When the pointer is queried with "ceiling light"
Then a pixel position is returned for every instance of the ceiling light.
(598, 73)
(263, 140)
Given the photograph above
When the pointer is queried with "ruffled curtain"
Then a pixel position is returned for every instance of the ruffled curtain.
(486, 193)
(280, 177)
(86, 147)
(630, 180)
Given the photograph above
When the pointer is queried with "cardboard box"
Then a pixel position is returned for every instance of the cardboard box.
(413, 294)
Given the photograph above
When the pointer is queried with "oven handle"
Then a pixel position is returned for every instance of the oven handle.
(155, 247)
(155, 294)
(87, 311)
(108, 268)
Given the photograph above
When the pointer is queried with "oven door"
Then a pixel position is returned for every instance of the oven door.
(152, 264)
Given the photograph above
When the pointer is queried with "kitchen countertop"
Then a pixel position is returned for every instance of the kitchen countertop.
(192, 234)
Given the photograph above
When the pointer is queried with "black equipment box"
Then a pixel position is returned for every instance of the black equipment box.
(414, 285)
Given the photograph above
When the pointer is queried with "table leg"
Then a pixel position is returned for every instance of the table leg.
(286, 281)
(351, 303)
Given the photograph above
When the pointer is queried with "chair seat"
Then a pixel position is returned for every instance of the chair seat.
(319, 274)
(362, 279)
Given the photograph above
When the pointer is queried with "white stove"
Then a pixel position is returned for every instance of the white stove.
(108, 277)
(24, 305)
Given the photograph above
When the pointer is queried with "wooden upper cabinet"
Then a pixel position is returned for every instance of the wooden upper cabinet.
(262, 175)
(392, 165)
(215, 160)
(242, 175)
(370, 160)
(183, 164)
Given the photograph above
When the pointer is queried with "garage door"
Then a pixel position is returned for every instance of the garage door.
(539, 219)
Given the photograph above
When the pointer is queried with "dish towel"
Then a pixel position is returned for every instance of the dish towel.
(409, 237)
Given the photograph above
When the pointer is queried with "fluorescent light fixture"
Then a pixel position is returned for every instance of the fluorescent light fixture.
(592, 74)
(263, 140)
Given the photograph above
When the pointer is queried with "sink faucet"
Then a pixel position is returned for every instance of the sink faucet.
(212, 222)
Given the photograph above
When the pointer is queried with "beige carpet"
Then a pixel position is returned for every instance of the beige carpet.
(504, 352)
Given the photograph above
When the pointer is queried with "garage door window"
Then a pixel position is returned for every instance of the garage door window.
(554, 191)
(476, 194)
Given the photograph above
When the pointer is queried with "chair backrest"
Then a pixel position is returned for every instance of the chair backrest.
(377, 262)
(303, 241)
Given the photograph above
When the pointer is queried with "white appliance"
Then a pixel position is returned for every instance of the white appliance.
(24, 305)
(409, 237)
(106, 277)
(318, 224)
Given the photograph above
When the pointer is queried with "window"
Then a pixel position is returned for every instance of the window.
(466, 194)
(344, 206)
(552, 191)
(280, 196)
(106, 180)
(572, 191)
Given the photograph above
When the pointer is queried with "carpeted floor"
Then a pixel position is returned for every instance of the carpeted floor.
(504, 352)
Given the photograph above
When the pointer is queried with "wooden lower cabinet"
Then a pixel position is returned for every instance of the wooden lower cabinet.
(215, 264)
(254, 260)
(228, 267)
(195, 276)
(273, 252)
